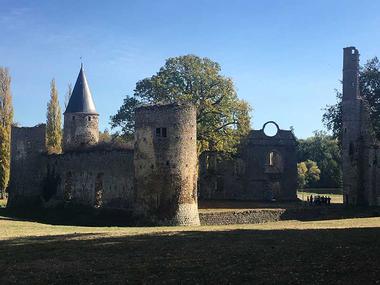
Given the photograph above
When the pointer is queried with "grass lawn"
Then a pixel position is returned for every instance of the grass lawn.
(323, 191)
(335, 198)
(343, 251)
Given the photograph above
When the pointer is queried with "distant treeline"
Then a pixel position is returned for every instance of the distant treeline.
(322, 156)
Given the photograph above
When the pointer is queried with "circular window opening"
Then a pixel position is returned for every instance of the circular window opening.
(270, 129)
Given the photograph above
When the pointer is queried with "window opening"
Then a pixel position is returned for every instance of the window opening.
(271, 158)
(161, 132)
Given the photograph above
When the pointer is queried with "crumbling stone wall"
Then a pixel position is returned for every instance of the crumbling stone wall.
(80, 130)
(265, 170)
(221, 177)
(27, 165)
(92, 178)
(360, 149)
(166, 164)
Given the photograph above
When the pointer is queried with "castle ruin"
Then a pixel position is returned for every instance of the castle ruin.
(360, 148)
(160, 178)
(265, 169)
(157, 179)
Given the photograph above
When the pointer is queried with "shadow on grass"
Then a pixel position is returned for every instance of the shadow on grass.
(334, 256)
(331, 212)
(73, 216)
(82, 216)
(296, 210)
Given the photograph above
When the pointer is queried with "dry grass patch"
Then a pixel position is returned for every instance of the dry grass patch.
(335, 198)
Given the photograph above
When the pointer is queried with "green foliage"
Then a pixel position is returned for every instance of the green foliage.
(3, 203)
(125, 118)
(105, 136)
(369, 81)
(302, 172)
(313, 172)
(308, 173)
(332, 118)
(6, 118)
(53, 122)
(369, 84)
(222, 119)
(324, 150)
(68, 94)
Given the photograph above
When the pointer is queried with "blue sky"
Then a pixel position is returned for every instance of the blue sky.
(285, 57)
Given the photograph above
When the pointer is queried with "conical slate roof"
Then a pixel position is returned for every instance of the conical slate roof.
(81, 99)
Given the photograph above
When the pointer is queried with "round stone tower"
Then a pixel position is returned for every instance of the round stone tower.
(80, 127)
(166, 164)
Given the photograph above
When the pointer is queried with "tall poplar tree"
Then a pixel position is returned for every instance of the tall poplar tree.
(6, 118)
(68, 94)
(53, 122)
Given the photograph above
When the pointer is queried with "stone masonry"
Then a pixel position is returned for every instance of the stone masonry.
(266, 169)
(80, 118)
(360, 148)
(27, 164)
(166, 164)
(157, 180)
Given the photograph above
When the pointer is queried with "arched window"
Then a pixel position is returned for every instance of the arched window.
(274, 162)
(68, 187)
(351, 149)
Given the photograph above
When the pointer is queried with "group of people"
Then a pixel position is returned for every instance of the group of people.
(318, 200)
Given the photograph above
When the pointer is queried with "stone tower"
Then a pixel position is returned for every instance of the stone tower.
(351, 140)
(166, 164)
(80, 126)
(27, 165)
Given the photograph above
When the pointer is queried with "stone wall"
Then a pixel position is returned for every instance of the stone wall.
(266, 169)
(221, 177)
(366, 157)
(254, 216)
(92, 178)
(80, 130)
(27, 165)
(360, 148)
(271, 165)
(166, 164)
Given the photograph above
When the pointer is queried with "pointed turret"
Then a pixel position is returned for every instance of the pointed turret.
(81, 99)
(80, 118)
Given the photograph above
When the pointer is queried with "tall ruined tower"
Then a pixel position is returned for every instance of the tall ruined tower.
(352, 120)
(166, 164)
(80, 126)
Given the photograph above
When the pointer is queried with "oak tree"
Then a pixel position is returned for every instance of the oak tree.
(369, 86)
(222, 118)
